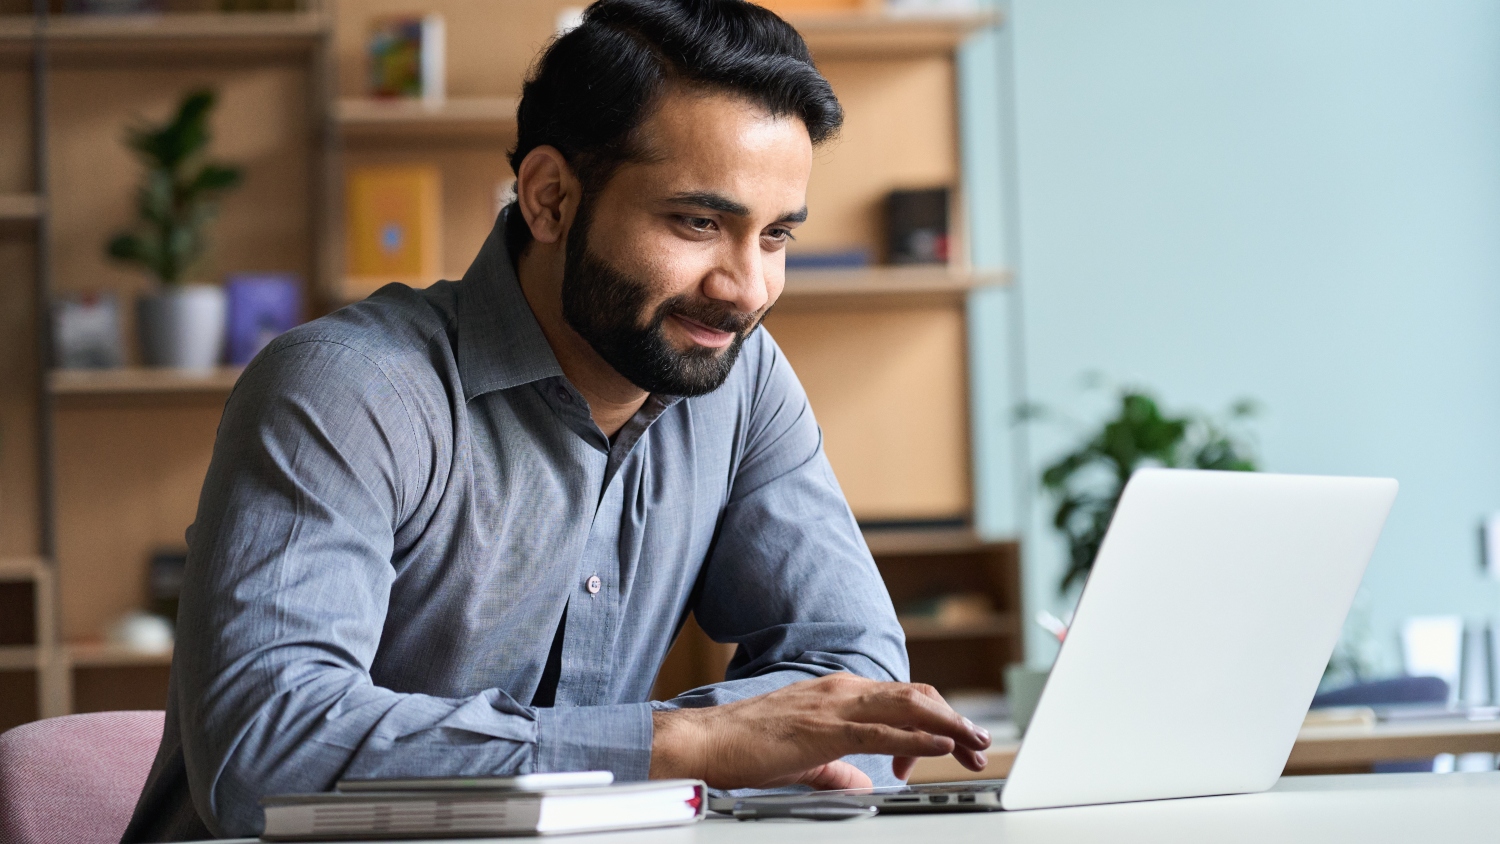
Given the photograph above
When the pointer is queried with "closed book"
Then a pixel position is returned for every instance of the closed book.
(394, 226)
(408, 57)
(468, 813)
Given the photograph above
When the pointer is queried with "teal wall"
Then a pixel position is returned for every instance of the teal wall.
(1295, 201)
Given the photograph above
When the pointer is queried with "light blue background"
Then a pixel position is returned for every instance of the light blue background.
(1294, 201)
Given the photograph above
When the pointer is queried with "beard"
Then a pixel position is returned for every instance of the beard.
(607, 308)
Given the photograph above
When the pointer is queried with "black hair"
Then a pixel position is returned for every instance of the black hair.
(596, 84)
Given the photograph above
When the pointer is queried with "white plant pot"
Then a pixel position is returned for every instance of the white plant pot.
(183, 327)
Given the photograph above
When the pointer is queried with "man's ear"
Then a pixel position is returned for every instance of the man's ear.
(548, 194)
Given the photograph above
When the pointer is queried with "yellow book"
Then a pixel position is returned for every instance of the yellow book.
(393, 226)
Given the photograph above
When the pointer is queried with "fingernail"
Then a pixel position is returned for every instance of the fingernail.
(968, 723)
(984, 761)
(983, 733)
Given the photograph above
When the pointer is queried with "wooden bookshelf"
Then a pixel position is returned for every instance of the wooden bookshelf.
(966, 654)
(140, 380)
(26, 600)
(877, 35)
(176, 34)
(107, 655)
(104, 468)
(17, 207)
(887, 286)
(889, 542)
(22, 569)
(364, 117)
(20, 658)
(129, 447)
(930, 630)
(103, 677)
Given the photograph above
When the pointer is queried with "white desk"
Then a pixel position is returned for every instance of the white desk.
(1359, 809)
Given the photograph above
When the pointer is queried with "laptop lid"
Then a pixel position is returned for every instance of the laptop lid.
(1200, 637)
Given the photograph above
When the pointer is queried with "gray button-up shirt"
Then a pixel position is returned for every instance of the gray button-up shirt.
(407, 496)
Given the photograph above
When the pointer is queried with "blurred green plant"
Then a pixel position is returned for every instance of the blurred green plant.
(178, 196)
(1086, 482)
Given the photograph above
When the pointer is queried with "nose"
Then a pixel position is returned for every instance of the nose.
(739, 280)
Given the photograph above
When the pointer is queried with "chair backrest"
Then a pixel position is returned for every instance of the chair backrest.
(75, 778)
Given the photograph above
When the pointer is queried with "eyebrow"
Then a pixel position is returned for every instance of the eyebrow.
(721, 203)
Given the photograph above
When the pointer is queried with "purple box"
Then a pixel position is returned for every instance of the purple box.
(261, 306)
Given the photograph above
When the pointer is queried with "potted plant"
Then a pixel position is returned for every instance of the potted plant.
(181, 324)
(1086, 483)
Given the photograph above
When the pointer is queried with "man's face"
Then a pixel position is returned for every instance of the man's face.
(677, 258)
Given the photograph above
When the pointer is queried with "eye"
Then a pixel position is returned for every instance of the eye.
(779, 236)
(701, 224)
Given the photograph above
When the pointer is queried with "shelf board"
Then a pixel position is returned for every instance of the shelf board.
(17, 207)
(209, 33)
(885, 286)
(22, 569)
(140, 380)
(885, 542)
(871, 35)
(20, 657)
(931, 630)
(454, 116)
(106, 655)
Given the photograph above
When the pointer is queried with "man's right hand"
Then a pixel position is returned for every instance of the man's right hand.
(797, 734)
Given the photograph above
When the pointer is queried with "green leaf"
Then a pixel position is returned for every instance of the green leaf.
(1086, 483)
(174, 200)
(126, 247)
(215, 177)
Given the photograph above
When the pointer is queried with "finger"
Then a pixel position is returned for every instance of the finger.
(834, 776)
(979, 732)
(902, 766)
(974, 760)
(891, 741)
(913, 706)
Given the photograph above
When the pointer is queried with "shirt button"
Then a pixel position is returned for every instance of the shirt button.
(564, 396)
(593, 584)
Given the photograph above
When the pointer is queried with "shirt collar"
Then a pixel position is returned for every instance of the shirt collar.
(500, 344)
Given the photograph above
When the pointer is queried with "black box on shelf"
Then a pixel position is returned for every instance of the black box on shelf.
(916, 226)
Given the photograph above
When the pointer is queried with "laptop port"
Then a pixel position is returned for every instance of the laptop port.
(903, 800)
(964, 798)
(937, 798)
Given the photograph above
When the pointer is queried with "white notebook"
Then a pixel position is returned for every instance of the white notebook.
(467, 813)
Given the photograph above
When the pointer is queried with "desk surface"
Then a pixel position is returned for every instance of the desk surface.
(1364, 808)
(1317, 747)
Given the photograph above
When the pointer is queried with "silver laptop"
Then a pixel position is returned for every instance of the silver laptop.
(1200, 638)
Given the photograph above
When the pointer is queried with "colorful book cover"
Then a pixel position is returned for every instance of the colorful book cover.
(408, 56)
(393, 224)
(261, 307)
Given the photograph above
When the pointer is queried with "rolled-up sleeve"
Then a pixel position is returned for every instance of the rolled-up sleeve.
(790, 579)
(317, 463)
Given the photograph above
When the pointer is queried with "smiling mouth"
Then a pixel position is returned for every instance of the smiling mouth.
(704, 335)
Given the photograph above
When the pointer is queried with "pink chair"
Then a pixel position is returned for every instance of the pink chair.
(75, 779)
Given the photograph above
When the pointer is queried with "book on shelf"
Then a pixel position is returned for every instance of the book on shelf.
(469, 811)
(261, 307)
(394, 226)
(408, 57)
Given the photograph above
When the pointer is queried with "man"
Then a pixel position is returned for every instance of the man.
(454, 531)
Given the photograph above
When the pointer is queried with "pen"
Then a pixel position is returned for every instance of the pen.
(812, 810)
